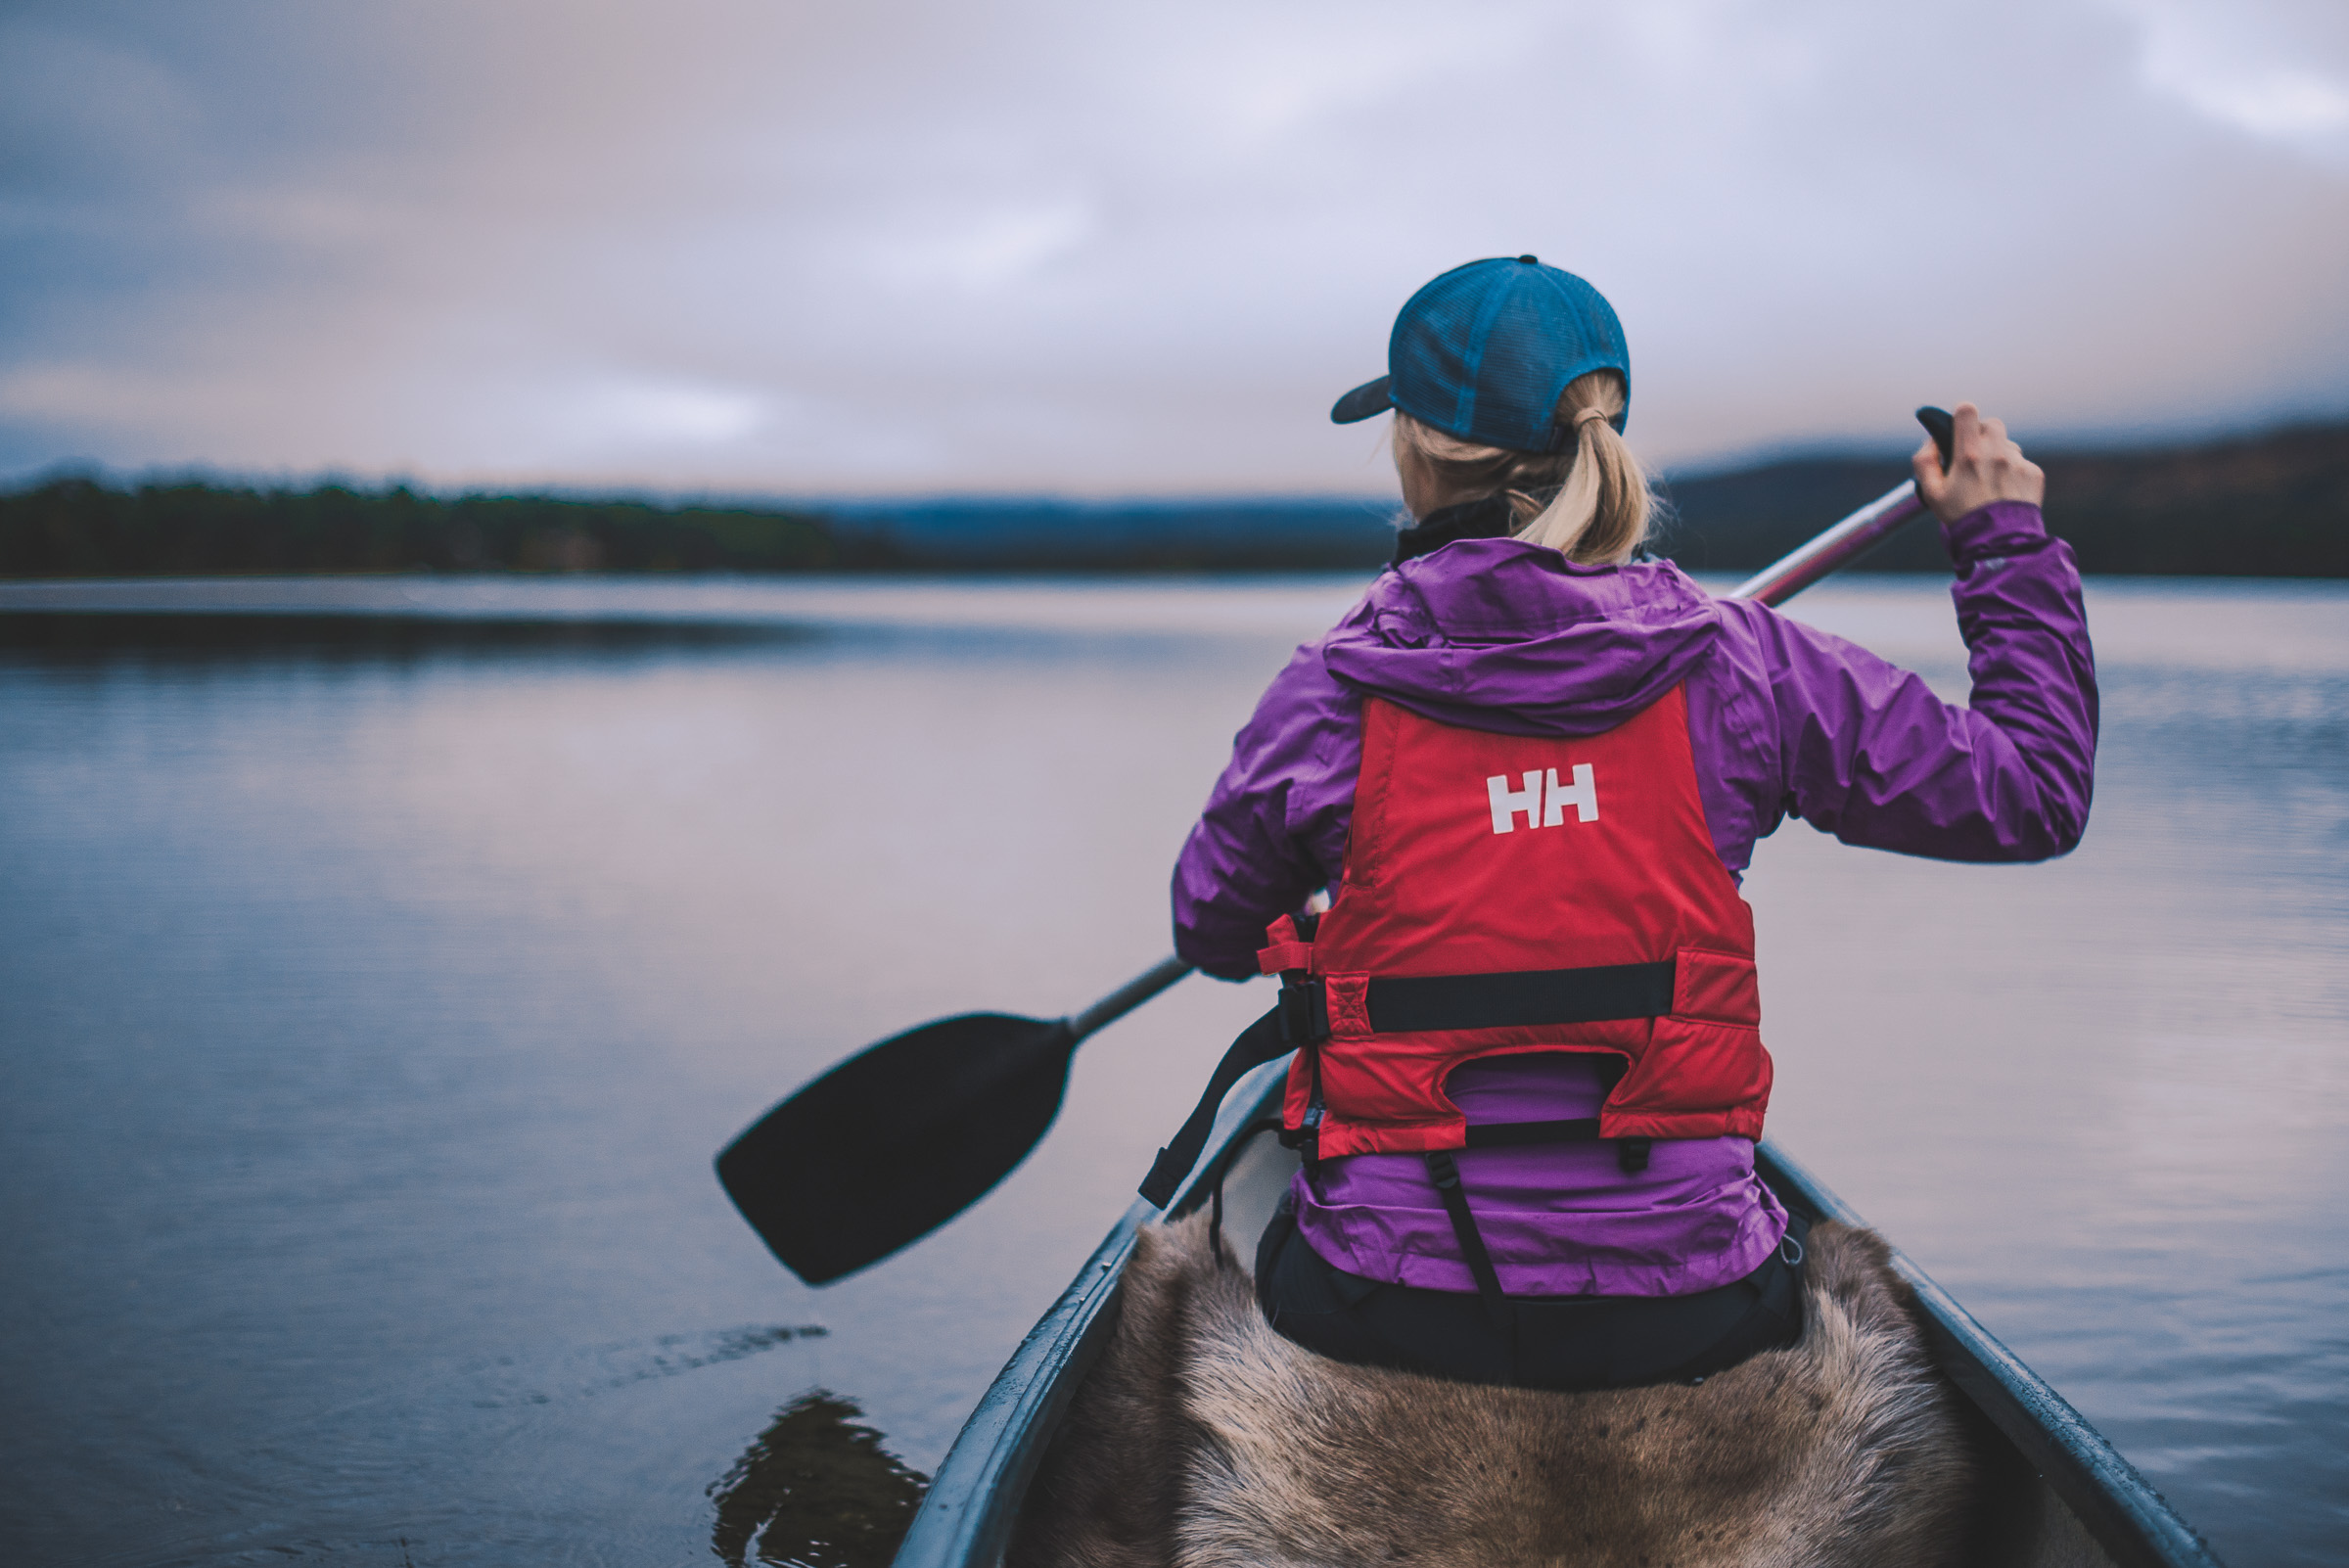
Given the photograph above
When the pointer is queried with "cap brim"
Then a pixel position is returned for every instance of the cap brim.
(1370, 397)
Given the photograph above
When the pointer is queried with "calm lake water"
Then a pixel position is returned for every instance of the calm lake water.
(375, 990)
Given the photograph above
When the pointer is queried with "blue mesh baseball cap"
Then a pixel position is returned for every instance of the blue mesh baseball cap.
(1484, 351)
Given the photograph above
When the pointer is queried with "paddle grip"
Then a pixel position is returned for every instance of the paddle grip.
(1942, 426)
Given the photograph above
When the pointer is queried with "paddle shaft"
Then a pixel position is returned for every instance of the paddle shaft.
(1126, 998)
(1834, 550)
(1773, 584)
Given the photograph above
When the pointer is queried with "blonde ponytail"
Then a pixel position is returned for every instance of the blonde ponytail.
(1601, 512)
(1601, 508)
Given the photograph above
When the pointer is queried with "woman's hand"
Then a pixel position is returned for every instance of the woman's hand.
(1983, 467)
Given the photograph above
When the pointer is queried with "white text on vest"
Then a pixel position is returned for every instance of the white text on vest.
(1506, 803)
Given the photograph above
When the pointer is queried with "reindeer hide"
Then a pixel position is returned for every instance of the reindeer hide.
(1204, 1440)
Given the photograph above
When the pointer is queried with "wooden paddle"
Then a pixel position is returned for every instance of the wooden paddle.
(904, 1136)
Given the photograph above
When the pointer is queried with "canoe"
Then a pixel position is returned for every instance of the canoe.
(2056, 1491)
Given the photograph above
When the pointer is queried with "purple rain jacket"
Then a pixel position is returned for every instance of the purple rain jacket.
(1496, 634)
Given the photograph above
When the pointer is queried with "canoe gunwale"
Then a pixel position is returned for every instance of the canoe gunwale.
(967, 1517)
(2113, 1501)
(967, 1514)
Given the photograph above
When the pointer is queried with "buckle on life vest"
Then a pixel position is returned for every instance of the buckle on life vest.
(1305, 1139)
(1304, 1010)
(1288, 944)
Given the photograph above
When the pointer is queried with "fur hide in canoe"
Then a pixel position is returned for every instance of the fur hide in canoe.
(1204, 1440)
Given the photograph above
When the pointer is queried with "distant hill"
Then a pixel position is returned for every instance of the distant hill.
(2275, 505)
(2270, 505)
(1046, 534)
(78, 528)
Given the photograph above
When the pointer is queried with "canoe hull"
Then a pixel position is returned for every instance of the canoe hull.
(2057, 1491)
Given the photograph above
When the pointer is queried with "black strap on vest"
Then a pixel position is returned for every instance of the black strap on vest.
(1507, 1000)
(1516, 998)
(1445, 1172)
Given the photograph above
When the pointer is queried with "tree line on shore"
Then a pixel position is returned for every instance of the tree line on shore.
(2269, 505)
(81, 528)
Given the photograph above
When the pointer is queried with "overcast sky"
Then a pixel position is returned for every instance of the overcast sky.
(904, 246)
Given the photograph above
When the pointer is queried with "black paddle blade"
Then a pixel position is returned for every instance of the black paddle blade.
(897, 1140)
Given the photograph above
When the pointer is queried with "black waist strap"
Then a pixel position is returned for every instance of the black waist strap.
(1506, 999)
(1510, 999)
(1516, 998)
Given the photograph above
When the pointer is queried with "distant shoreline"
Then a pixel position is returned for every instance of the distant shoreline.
(2272, 505)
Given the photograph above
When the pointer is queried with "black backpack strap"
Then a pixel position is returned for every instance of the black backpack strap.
(1260, 1042)
(1445, 1172)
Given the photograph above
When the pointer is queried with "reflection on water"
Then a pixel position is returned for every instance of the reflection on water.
(816, 1490)
(372, 1001)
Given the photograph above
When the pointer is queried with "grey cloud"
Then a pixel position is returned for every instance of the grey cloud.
(910, 246)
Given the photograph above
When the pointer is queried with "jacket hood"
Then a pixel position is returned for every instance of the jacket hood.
(1506, 636)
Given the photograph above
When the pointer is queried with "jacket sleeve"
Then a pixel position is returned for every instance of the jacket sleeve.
(1274, 827)
(1869, 754)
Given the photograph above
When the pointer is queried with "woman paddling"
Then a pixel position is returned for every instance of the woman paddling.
(1529, 767)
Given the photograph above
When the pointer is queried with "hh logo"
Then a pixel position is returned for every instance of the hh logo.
(1543, 801)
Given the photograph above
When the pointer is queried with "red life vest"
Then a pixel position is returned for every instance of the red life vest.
(1512, 859)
